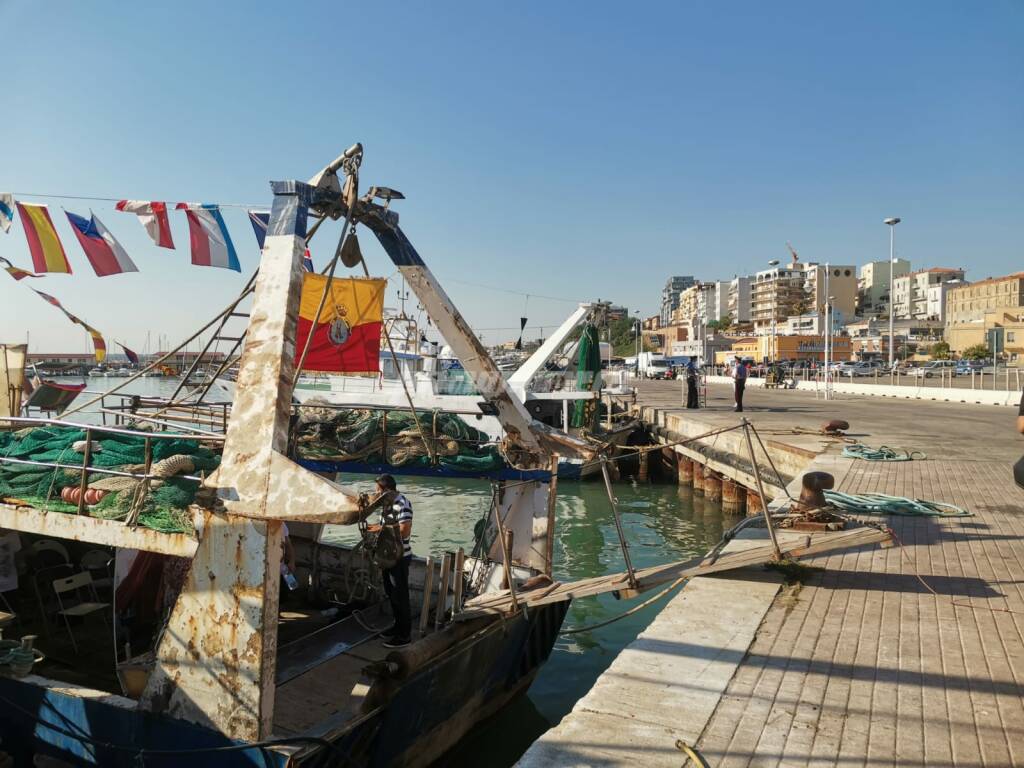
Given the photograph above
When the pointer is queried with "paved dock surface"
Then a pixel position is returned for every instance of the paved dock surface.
(908, 656)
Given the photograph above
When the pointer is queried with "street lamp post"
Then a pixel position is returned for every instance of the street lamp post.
(775, 295)
(892, 221)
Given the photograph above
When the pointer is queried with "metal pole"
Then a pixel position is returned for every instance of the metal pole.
(892, 293)
(618, 522)
(760, 489)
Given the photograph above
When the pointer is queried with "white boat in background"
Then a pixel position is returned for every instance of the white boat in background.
(434, 379)
(98, 372)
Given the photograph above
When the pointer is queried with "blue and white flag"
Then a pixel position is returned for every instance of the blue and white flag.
(260, 220)
(6, 210)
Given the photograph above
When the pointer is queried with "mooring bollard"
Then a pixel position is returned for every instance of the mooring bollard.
(684, 468)
(712, 486)
(698, 477)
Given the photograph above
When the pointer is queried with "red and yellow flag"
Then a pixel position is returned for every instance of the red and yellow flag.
(347, 337)
(47, 252)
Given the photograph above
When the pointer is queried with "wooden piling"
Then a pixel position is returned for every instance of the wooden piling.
(753, 503)
(698, 478)
(712, 486)
(684, 470)
(641, 473)
(734, 497)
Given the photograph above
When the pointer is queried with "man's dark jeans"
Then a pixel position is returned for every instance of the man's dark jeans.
(396, 587)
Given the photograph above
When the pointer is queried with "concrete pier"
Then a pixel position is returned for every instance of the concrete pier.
(912, 655)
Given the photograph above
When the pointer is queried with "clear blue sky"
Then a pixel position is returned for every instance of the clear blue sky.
(577, 149)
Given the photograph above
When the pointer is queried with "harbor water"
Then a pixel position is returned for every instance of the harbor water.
(662, 523)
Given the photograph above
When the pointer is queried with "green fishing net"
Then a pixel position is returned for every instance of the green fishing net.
(163, 507)
(393, 437)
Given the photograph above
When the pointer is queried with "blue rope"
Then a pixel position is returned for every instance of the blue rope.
(884, 453)
(883, 504)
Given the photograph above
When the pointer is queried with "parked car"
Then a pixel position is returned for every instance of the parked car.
(965, 367)
(934, 368)
(852, 369)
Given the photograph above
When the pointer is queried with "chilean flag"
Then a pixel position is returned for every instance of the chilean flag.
(103, 251)
(208, 236)
(260, 220)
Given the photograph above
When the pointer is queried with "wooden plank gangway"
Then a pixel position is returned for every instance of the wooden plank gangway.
(648, 578)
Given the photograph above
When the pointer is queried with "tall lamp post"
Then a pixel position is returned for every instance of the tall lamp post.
(775, 294)
(892, 221)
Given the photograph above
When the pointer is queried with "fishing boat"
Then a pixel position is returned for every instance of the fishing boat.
(428, 377)
(217, 663)
(231, 665)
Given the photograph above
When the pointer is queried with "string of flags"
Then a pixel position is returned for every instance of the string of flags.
(210, 244)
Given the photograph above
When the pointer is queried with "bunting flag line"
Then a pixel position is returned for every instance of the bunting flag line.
(153, 216)
(133, 357)
(6, 211)
(98, 344)
(47, 252)
(16, 272)
(347, 337)
(208, 237)
(260, 220)
(101, 248)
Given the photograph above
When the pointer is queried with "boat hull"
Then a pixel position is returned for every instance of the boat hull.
(425, 716)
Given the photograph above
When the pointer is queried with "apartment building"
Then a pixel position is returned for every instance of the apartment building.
(777, 293)
(911, 293)
(670, 295)
(797, 289)
(973, 309)
(873, 285)
(739, 300)
(840, 283)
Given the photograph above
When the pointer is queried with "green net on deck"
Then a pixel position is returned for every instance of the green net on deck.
(392, 437)
(162, 507)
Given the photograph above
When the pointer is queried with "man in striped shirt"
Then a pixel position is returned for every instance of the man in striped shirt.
(396, 579)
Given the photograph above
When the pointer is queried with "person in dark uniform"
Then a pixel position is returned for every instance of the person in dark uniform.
(739, 377)
(692, 399)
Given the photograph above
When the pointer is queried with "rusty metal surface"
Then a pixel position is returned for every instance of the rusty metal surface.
(215, 660)
(109, 533)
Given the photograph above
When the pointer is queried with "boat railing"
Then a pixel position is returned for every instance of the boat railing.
(201, 418)
(91, 432)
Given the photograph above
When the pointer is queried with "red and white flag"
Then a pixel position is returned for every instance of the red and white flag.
(153, 216)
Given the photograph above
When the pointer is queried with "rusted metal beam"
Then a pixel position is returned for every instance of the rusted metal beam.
(95, 530)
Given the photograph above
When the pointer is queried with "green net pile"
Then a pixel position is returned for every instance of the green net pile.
(392, 437)
(163, 508)
(588, 368)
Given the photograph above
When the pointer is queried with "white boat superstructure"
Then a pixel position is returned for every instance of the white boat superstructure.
(433, 378)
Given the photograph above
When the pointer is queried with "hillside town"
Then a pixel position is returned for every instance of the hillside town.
(789, 310)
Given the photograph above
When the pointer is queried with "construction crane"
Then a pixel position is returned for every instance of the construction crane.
(792, 250)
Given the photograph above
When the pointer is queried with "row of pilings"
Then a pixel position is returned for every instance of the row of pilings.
(735, 498)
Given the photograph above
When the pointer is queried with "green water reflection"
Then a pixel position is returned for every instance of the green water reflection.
(661, 522)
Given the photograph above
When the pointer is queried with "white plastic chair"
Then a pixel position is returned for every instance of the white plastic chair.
(100, 563)
(74, 584)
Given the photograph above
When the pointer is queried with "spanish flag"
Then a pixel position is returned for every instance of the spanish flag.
(347, 337)
(47, 252)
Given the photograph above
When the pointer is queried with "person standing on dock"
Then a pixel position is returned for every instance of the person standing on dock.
(396, 578)
(692, 399)
(739, 378)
